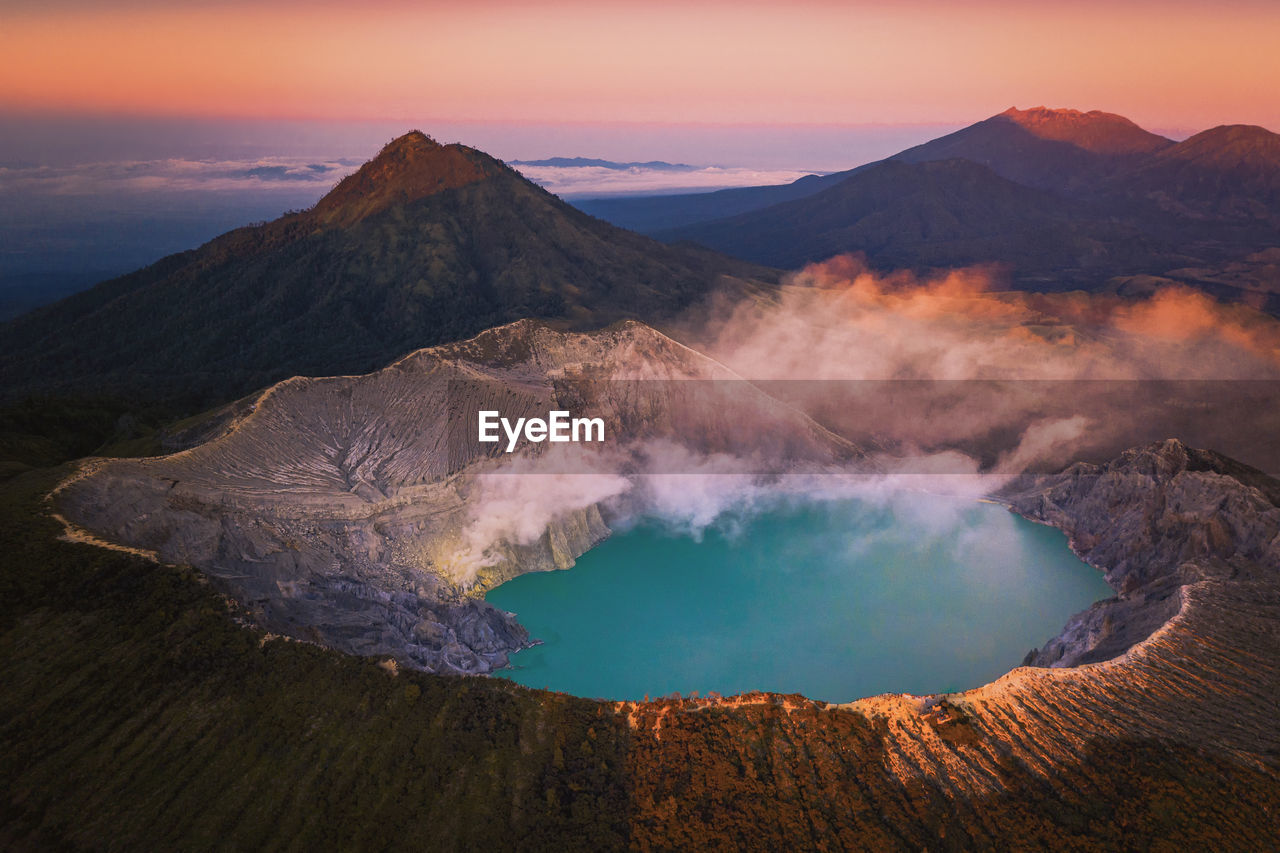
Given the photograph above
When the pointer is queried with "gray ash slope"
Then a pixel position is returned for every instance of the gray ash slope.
(345, 510)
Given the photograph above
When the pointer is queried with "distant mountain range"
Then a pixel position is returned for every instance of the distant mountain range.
(1060, 198)
(1061, 150)
(429, 243)
(942, 213)
(424, 244)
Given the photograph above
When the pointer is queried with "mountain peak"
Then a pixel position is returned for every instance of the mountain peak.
(1230, 145)
(457, 243)
(1096, 131)
(414, 140)
(1041, 112)
(408, 168)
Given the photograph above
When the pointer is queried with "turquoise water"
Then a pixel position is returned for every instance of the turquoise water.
(832, 599)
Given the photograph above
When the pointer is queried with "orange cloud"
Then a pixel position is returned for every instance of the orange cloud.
(941, 364)
(841, 320)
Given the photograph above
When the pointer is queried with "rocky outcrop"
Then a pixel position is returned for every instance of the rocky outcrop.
(1155, 520)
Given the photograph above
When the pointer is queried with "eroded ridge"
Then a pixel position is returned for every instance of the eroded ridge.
(350, 510)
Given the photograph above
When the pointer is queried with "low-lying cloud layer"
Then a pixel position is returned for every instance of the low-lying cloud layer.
(582, 181)
(294, 173)
(176, 175)
(840, 320)
(948, 363)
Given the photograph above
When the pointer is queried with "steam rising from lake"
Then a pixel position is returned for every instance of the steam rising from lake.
(952, 387)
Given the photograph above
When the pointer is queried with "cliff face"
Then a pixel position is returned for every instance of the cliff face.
(1155, 520)
(361, 512)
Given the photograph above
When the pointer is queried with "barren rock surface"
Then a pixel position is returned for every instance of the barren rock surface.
(342, 510)
(359, 512)
(1155, 520)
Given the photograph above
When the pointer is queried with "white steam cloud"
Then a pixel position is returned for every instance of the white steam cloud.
(950, 388)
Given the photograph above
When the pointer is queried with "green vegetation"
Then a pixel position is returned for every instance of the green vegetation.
(39, 432)
(294, 297)
(136, 714)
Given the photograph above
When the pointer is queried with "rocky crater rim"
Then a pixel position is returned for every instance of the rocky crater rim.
(503, 345)
(1189, 653)
(1171, 461)
(330, 524)
(342, 510)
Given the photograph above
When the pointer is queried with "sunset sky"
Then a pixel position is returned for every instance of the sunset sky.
(1166, 65)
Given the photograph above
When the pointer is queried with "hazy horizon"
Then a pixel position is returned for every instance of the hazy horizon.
(62, 138)
(1170, 64)
(92, 196)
